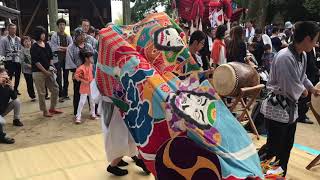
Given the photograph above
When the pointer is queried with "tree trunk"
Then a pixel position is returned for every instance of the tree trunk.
(126, 12)
(258, 12)
(53, 14)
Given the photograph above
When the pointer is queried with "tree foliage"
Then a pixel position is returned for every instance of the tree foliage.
(313, 6)
(261, 11)
(243, 3)
(142, 7)
(290, 10)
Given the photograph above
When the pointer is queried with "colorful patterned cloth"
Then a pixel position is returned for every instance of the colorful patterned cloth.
(181, 158)
(142, 86)
(161, 42)
(210, 124)
(126, 76)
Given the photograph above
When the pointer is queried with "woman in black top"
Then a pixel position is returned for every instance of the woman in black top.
(43, 72)
(236, 47)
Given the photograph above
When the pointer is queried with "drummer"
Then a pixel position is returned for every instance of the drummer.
(196, 43)
(288, 82)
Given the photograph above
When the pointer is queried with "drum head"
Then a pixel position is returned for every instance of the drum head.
(315, 101)
(224, 80)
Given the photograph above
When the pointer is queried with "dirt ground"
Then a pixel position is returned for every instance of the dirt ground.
(39, 130)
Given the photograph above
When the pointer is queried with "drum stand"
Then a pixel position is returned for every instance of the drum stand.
(252, 93)
(317, 159)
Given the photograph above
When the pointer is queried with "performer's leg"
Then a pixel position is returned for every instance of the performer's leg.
(107, 113)
(290, 131)
(140, 163)
(114, 169)
(275, 139)
(116, 162)
(303, 108)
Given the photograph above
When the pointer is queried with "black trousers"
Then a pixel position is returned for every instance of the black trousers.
(280, 141)
(30, 87)
(62, 78)
(303, 107)
(14, 69)
(2, 133)
(76, 96)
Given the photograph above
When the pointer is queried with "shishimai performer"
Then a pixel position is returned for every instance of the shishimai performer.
(118, 140)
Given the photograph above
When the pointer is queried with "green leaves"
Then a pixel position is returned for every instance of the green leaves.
(312, 6)
(143, 7)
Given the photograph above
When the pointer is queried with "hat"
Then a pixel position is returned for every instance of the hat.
(288, 25)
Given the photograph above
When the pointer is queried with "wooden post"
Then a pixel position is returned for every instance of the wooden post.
(53, 14)
(109, 15)
(17, 7)
(99, 14)
(316, 161)
(126, 12)
(32, 17)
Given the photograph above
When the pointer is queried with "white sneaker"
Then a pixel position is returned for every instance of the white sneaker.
(77, 120)
(93, 117)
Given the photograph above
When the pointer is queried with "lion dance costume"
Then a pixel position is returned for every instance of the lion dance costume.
(181, 127)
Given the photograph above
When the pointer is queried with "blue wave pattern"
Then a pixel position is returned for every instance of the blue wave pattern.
(137, 119)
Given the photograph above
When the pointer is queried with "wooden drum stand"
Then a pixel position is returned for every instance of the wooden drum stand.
(247, 92)
(317, 159)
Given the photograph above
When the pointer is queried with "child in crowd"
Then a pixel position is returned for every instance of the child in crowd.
(267, 57)
(85, 76)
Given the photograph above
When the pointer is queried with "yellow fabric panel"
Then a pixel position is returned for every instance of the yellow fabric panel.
(57, 175)
(84, 159)
(6, 168)
(75, 159)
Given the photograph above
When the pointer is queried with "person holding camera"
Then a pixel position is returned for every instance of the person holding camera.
(43, 72)
(8, 102)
